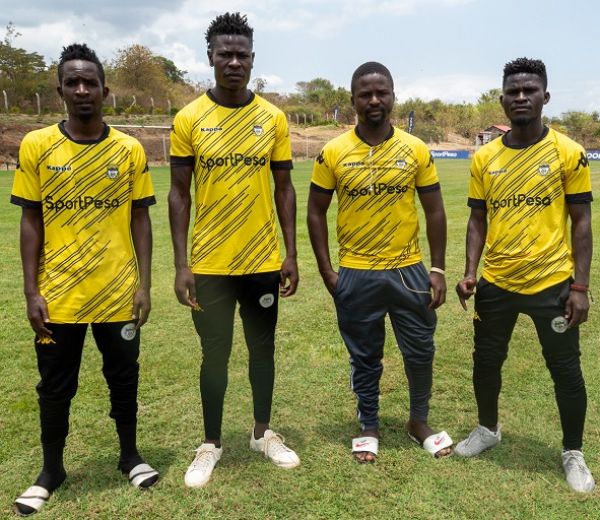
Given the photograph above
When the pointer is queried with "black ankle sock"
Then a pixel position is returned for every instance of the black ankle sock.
(51, 481)
(129, 454)
(53, 472)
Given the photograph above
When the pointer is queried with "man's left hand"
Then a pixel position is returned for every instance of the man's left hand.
(576, 308)
(289, 277)
(141, 306)
(438, 289)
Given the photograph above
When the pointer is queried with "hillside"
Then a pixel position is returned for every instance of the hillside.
(306, 141)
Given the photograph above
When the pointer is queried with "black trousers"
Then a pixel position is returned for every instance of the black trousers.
(59, 359)
(258, 297)
(496, 312)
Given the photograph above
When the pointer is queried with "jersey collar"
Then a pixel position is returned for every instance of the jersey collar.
(103, 136)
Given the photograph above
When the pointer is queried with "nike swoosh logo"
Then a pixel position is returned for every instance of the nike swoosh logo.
(438, 440)
(361, 444)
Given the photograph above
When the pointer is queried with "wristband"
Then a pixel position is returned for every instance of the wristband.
(579, 288)
(440, 271)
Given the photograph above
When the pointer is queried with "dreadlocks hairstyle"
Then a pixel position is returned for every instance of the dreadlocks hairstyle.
(79, 51)
(228, 23)
(526, 65)
(370, 67)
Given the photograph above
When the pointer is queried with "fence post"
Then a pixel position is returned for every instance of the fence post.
(164, 139)
(151, 105)
(5, 101)
(169, 105)
(114, 102)
(39, 105)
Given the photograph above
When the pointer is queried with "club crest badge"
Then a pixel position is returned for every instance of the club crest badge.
(128, 331)
(401, 163)
(266, 300)
(112, 172)
(257, 129)
(544, 169)
(559, 324)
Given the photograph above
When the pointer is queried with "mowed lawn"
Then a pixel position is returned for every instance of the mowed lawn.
(313, 407)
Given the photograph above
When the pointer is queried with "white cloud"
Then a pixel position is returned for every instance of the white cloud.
(453, 88)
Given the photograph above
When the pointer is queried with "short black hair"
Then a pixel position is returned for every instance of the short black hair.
(79, 51)
(370, 67)
(527, 66)
(228, 23)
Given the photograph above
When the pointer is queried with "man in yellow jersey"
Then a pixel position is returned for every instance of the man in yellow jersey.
(524, 188)
(229, 141)
(376, 171)
(86, 246)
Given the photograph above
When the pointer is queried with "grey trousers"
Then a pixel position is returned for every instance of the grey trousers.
(363, 298)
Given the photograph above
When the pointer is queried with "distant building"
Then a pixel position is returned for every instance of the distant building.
(489, 134)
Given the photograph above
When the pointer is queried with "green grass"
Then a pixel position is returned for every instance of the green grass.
(313, 408)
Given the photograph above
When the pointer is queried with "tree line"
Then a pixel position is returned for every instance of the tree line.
(143, 82)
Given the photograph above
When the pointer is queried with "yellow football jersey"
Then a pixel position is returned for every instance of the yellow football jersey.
(526, 192)
(232, 150)
(377, 221)
(86, 190)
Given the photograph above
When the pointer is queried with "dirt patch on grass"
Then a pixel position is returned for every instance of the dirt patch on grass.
(306, 141)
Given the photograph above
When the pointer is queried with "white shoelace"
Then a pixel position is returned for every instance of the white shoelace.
(274, 445)
(204, 458)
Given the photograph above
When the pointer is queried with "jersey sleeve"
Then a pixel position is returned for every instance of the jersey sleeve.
(476, 192)
(26, 190)
(427, 178)
(578, 180)
(182, 151)
(281, 156)
(143, 190)
(323, 175)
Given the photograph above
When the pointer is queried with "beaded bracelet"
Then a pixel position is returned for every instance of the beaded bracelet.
(579, 288)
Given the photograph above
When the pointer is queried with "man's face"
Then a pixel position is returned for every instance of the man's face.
(232, 58)
(523, 98)
(373, 99)
(81, 89)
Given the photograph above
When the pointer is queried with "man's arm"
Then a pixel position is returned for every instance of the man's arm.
(285, 203)
(318, 204)
(435, 217)
(32, 239)
(577, 305)
(180, 203)
(141, 233)
(476, 233)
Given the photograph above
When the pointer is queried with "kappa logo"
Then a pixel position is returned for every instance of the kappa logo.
(476, 316)
(257, 129)
(128, 331)
(559, 324)
(320, 159)
(401, 163)
(112, 172)
(57, 169)
(498, 172)
(266, 300)
(45, 340)
(583, 161)
(544, 169)
(211, 129)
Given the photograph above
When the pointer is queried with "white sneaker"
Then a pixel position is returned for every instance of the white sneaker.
(480, 439)
(272, 445)
(579, 476)
(200, 470)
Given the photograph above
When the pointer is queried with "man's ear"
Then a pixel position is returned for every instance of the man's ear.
(210, 60)
(60, 91)
(546, 97)
(105, 91)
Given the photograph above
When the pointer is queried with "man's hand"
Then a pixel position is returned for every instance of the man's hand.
(438, 286)
(37, 313)
(330, 279)
(576, 308)
(185, 287)
(141, 307)
(289, 277)
(465, 289)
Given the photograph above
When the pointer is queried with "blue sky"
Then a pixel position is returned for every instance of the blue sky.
(447, 49)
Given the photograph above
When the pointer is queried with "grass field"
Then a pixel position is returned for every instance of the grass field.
(313, 408)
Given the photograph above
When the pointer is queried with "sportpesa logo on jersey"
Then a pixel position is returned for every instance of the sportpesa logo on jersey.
(233, 159)
(79, 203)
(376, 189)
(519, 200)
